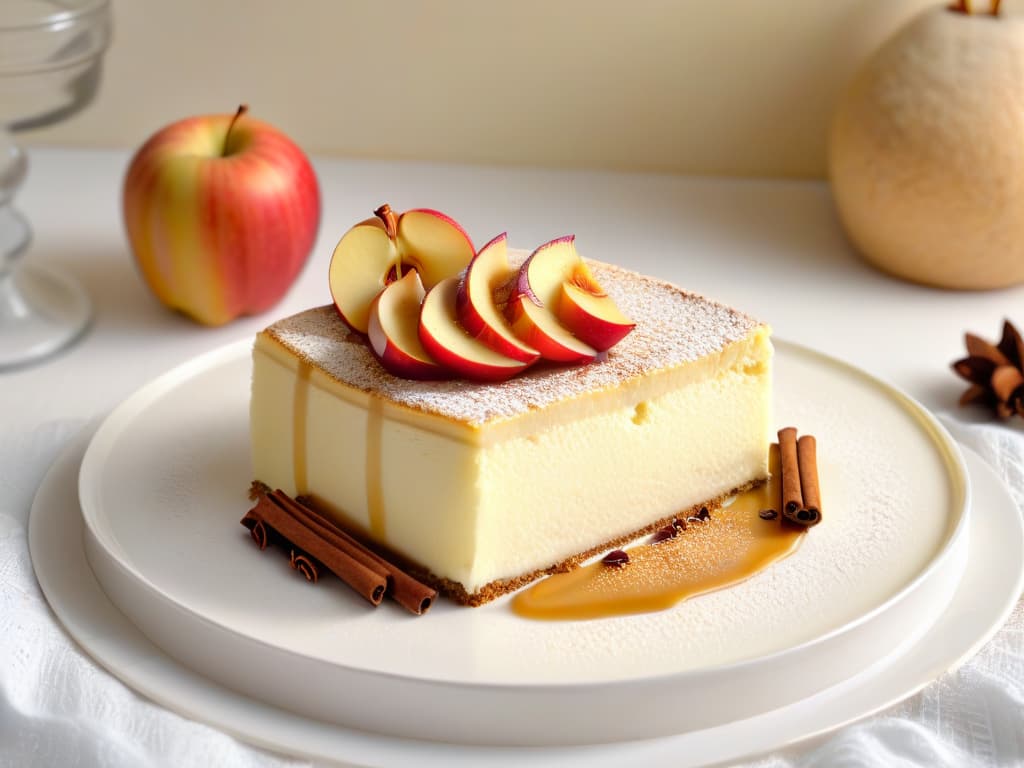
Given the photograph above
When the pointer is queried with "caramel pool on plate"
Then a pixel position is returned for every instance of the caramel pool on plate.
(732, 545)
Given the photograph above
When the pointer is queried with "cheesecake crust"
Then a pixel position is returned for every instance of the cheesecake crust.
(456, 592)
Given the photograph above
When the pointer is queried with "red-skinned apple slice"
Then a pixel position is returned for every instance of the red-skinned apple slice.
(536, 326)
(592, 315)
(559, 280)
(433, 243)
(394, 330)
(532, 315)
(488, 273)
(359, 268)
(448, 343)
(374, 251)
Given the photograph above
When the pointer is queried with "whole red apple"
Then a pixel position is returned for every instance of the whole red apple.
(222, 212)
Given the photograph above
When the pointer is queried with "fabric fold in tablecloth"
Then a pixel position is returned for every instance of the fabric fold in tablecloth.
(58, 708)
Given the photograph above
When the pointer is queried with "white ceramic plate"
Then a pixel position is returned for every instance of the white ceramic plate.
(163, 485)
(982, 602)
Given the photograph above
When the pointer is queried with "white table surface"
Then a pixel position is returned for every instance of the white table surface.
(771, 248)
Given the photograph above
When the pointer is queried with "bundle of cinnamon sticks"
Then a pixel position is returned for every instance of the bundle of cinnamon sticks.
(801, 494)
(314, 543)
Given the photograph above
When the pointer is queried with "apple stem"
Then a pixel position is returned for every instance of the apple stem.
(386, 215)
(242, 109)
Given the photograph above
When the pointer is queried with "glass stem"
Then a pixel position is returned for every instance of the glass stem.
(15, 232)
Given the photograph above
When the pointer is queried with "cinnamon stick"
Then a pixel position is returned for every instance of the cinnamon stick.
(792, 498)
(263, 535)
(267, 515)
(807, 458)
(408, 592)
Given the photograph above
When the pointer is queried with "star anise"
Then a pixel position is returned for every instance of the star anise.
(995, 371)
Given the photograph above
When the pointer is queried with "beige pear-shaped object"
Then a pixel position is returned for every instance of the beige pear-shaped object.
(926, 155)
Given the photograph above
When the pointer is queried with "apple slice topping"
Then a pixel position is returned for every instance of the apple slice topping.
(380, 250)
(592, 315)
(359, 268)
(532, 308)
(538, 327)
(556, 278)
(447, 341)
(434, 244)
(393, 330)
(433, 307)
(480, 312)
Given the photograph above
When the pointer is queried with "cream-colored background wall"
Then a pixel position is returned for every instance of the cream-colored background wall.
(733, 87)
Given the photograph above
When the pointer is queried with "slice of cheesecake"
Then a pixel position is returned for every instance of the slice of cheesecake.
(482, 488)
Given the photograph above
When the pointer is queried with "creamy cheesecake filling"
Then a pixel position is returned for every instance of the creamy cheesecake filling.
(477, 504)
(615, 473)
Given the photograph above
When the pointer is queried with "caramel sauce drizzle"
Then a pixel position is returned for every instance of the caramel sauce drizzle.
(374, 433)
(374, 471)
(733, 545)
(300, 411)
